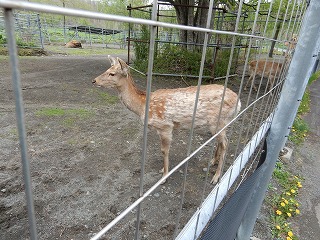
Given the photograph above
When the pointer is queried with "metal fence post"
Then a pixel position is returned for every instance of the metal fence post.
(293, 89)
(16, 79)
(153, 31)
(40, 31)
(316, 65)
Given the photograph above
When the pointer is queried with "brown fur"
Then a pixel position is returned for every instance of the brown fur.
(263, 68)
(73, 44)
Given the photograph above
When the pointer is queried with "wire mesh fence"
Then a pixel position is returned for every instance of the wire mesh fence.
(257, 43)
(28, 30)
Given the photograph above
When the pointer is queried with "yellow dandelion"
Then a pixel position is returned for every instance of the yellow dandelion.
(278, 212)
(278, 227)
(289, 214)
(297, 211)
(299, 184)
(290, 234)
(290, 209)
(293, 191)
(286, 201)
(288, 238)
(297, 204)
(289, 194)
(286, 224)
(282, 204)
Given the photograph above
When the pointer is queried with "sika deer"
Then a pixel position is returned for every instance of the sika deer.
(173, 108)
(269, 68)
(263, 68)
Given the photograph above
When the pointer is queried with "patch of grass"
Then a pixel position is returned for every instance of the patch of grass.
(68, 116)
(103, 96)
(314, 77)
(300, 128)
(107, 98)
(299, 131)
(24, 51)
(305, 103)
(57, 112)
(281, 175)
(51, 112)
(58, 49)
(284, 204)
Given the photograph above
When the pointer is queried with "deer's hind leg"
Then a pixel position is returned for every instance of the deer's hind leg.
(165, 134)
(250, 80)
(219, 155)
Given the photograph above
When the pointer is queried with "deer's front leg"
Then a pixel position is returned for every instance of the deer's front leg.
(250, 80)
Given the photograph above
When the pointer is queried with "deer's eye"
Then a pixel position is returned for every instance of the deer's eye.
(111, 74)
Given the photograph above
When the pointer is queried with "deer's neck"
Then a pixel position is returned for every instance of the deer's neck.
(133, 98)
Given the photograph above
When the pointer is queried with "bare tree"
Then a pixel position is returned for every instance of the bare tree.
(191, 13)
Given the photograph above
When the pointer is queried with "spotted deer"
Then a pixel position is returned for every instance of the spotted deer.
(173, 108)
(269, 68)
(263, 68)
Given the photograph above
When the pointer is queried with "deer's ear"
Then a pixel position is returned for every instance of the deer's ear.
(113, 61)
(123, 65)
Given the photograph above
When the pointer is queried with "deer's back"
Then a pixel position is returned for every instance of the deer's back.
(176, 106)
(264, 66)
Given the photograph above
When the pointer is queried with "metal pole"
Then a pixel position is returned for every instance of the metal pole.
(9, 22)
(293, 90)
(153, 30)
(316, 64)
(40, 30)
(129, 35)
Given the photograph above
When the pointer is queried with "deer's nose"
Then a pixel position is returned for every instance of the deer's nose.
(93, 81)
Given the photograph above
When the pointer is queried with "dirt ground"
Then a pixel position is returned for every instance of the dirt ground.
(85, 150)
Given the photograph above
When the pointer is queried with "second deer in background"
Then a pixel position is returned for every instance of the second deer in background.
(269, 68)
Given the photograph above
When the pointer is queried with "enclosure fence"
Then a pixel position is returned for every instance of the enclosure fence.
(265, 119)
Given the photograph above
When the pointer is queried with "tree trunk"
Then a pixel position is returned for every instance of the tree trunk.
(187, 15)
(274, 37)
(201, 20)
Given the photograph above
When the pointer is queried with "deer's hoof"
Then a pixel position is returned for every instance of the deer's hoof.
(164, 181)
(215, 179)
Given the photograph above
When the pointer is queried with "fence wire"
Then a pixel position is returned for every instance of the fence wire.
(251, 36)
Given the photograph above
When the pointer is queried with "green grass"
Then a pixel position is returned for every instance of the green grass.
(58, 112)
(299, 131)
(107, 98)
(58, 49)
(67, 116)
(103, 97)
(314, 77)
(300, 128)
(283, 202)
